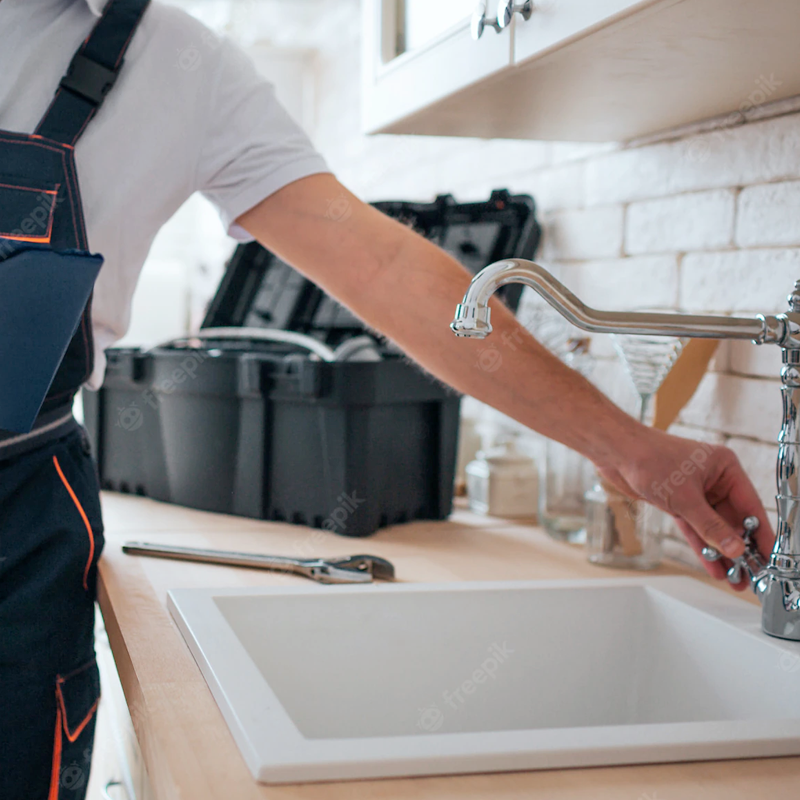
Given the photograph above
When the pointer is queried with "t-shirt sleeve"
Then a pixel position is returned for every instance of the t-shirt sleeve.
(252, 147)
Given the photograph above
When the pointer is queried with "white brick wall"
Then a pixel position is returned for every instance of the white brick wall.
(759, 152)
(740, 281)
(769, 215)
(585, 233)
(763, 362)
(736, 406)
(649, 281)
(694, 221)
(708, 222)
(559, 187)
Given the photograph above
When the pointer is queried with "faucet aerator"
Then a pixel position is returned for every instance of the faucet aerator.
(465, 333)
(471, 322)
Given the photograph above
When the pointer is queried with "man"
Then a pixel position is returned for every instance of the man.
(109, 166)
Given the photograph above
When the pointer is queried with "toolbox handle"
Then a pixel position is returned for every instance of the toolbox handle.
(263, 334)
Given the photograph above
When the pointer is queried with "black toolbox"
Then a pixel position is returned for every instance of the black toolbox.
(265, 429)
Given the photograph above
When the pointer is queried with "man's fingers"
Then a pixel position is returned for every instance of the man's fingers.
(743, 500)
(616, 479)
(714, 529)
(716, 569)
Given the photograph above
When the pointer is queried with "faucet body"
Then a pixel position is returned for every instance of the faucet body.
(776, 583)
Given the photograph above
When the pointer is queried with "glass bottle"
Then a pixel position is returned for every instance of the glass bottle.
(502, 482)
(566, 474)
(621, 532)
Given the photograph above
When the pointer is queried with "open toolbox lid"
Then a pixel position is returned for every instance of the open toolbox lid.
(259, 290)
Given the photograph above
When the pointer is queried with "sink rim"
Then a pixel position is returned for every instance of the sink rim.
(276, 752)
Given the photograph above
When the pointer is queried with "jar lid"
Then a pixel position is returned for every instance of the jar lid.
(505, 453)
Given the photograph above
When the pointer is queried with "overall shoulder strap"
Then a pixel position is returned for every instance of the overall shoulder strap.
(92, 72)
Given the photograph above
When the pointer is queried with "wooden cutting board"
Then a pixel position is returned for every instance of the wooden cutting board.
(682, 381)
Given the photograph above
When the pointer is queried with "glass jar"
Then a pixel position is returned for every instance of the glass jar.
(621, 532)
(502, 482)
(564, 480)
(566, 474)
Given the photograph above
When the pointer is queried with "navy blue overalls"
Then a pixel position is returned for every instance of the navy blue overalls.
(51, 532)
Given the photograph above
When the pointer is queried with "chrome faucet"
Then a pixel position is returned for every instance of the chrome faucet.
(776, 582)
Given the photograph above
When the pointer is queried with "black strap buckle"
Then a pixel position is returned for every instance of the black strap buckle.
(89, 79)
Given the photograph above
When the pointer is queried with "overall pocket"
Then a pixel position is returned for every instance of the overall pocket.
(76, 472)
(77, 697)
(42, 297)
(26, 213)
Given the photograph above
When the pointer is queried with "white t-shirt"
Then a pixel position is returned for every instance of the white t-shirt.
(188, 113)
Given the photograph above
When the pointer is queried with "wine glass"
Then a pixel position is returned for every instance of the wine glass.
(647, 360)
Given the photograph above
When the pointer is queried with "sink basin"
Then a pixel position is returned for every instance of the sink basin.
(338, 682)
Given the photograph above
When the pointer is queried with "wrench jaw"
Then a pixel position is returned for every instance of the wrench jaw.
(328, 572)
(354, 569)
(379, 568)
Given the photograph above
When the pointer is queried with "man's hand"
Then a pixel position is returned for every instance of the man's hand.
(705, 489)
(407, 288)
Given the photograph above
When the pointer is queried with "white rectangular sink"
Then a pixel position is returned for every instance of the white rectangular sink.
(339, 682)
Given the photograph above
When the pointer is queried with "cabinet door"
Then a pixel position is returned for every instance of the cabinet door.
(554, 23)
(421, 22)
(416, 52)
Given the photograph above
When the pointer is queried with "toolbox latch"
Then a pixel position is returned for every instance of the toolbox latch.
(249, 376)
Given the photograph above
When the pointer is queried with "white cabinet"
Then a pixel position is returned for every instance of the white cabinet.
(420, 22)
(412, 59)
(556, 23)
(575, 70)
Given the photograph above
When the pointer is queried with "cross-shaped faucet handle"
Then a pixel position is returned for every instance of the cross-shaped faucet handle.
(750, 561)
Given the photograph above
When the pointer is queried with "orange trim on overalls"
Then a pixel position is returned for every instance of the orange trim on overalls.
(62, 724)
(72, 736)
(44, 238)
(55, 772)
(29, 188)
(83, 517)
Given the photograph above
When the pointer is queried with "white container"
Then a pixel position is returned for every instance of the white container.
(503, 482)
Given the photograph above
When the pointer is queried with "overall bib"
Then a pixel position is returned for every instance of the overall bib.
(51, 532)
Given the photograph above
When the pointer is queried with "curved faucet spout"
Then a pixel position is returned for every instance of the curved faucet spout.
(473, 314)
(777, 583)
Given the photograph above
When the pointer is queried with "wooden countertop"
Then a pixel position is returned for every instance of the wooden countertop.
(185, 742)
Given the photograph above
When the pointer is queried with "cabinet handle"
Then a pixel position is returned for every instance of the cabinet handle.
(507, 8)
(480, 21)
(110, 785)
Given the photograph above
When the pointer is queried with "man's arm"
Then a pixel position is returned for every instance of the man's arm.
(407, 288)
